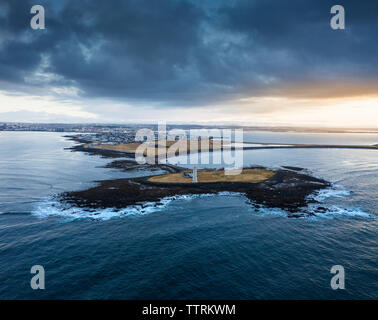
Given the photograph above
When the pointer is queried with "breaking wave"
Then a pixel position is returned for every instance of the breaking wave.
(334, 192)
(320, 209)
(56, 208)
(336, 211)
(314, 212)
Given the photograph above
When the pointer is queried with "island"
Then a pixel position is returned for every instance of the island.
(286, 188)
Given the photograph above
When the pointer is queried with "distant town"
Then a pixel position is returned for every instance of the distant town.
(59, 127)
(119, 129)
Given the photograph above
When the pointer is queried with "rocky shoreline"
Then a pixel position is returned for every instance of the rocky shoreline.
(287, 190)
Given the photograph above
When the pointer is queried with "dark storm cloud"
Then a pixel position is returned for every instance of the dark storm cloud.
(186, 52)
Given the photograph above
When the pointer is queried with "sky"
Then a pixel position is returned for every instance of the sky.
(249, 62)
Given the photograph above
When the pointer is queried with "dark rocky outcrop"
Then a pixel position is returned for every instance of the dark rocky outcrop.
(287, 190)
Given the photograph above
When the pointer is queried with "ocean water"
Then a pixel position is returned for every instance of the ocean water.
(312, 138)
(204, 247)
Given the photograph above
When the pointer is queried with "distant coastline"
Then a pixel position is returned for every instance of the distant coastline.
(104, 149)
(100, 127)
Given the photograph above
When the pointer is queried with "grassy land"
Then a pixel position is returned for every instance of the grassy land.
(188, 145)
(195, 146)
(247, 175)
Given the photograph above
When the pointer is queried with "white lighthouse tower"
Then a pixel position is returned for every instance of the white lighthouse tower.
(194, 175)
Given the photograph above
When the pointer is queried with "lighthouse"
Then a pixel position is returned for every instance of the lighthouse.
(194, 175)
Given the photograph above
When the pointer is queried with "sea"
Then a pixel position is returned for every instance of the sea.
(189, 247)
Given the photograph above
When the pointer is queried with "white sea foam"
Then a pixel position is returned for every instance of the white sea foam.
(333, 192)
(336, 211)
(321, 210)
(312, 212)
(264, 211)
(55, 208)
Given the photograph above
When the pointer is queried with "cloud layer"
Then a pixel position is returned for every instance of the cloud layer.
(186, 53)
